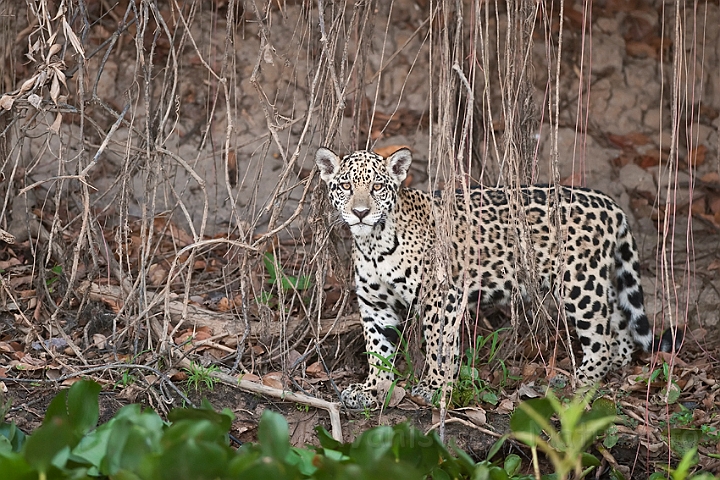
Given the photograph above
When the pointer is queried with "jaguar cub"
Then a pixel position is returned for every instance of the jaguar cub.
(396, 275)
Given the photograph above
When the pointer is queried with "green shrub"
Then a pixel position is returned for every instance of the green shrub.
(137, 444)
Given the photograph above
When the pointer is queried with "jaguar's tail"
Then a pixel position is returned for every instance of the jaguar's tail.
(630, 296)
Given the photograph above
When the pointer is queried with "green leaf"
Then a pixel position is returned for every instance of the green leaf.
(611, 437)
(689, 459)
(496, 447)
(82, 406)
(131, 436)
(302, 458)
(13, 436)
(617, 475)
(294, 283)
(602, 407)
(469, 373)
(269, 261)
(223, 419)
(14, 466)
(589, 460)
(512, 464)
(194, 459)
(530, 417)
(53, 439)
(673, 392)
(273, 435)
(372, 445)
(684, 440)
(303, 283)
(490, 397)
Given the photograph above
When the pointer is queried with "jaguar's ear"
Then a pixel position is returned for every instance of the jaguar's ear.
(328, 163)
(398, 164)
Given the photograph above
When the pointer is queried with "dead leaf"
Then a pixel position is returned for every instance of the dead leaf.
(250, 377)
(55, 127)
(313, 369)
(74, 40)
(396, 395)
(696, 156)
(647, 161)
(529, 370)
(70, 381)
(526, 390)
(640, 49)
(35, 100)
(274, 380)
(698, 206)
(232, 167)
(224, 305)
(623, 159)
(164, 226)
(6, 102)
(476, 415)
(713, 204)
(506, 407)
(99, 340)
(157, 274)
(710, 177)
(628, 141)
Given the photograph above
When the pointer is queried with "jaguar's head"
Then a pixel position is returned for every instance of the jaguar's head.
(363, 185)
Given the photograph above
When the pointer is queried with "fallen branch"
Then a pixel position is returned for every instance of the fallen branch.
(219, 322)
(332, 408)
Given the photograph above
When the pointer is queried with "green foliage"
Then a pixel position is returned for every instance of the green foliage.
(200, 377)
(682, 471)
(56, 273)
(469, 388)
(139, 445)
(287, 282)
(387, 364)
(579, 427)
(671, 391)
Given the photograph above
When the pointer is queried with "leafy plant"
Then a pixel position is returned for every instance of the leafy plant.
(137, 444)
(566, 447)
(388, 364)
(53, 279)
(671, 392)
(469, 388)
(199, 376)
(287, 282)
(682, 471)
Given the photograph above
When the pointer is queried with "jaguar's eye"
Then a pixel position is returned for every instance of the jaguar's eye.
(377, 187)
(345, 185)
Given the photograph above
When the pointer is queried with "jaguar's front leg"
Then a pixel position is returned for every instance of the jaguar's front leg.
(380, 323)
(442, 344)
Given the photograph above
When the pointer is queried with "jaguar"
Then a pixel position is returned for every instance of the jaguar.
(577, 241)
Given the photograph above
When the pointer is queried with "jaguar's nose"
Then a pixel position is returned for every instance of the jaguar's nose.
(361, 212)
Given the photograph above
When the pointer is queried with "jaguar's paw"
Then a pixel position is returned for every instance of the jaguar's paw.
(358, 396)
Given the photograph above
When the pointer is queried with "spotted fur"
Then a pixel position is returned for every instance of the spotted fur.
(394, 246)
